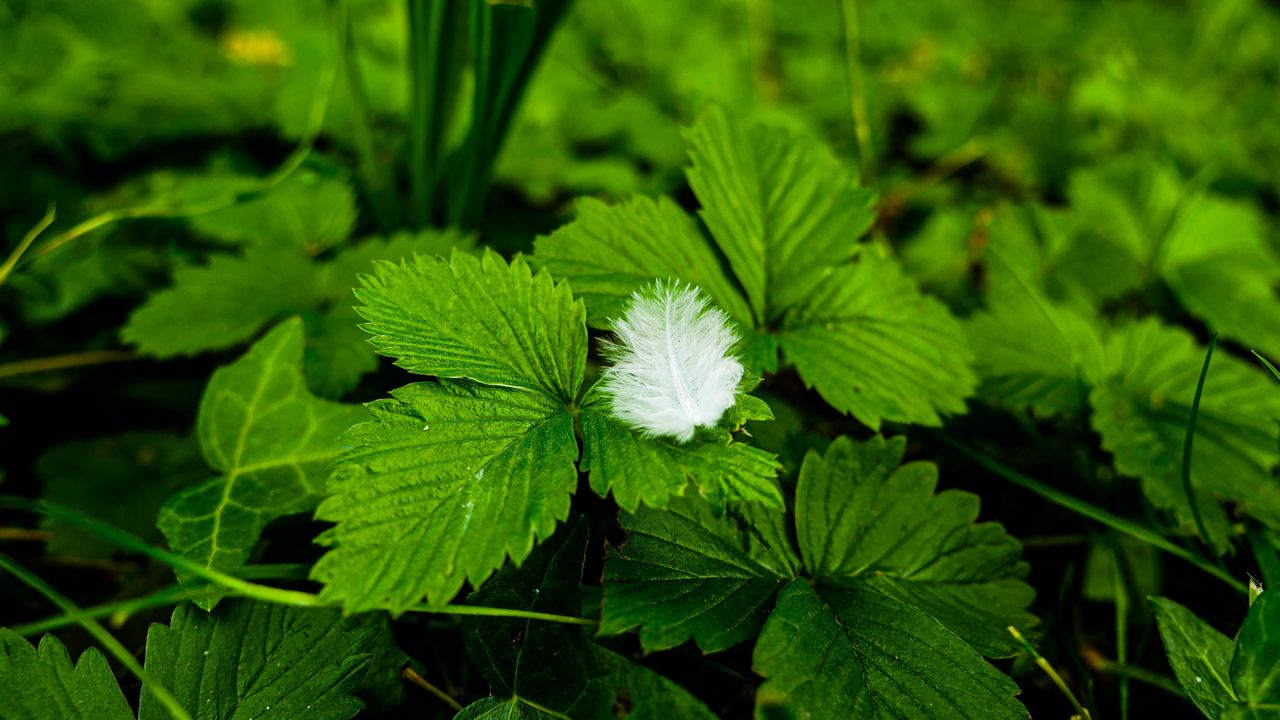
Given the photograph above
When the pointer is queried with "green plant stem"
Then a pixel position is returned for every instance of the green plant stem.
(25, 534)
(99, 633)
(1122, 670)
(1186, 457)
(165, 596)
(857, 89)
(25, 243)
(412, 676)
(1097, 514)
(1053, 674)
(481, 611)
(63, 362)
(243, 588)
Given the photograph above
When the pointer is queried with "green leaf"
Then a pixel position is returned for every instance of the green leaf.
(610, 252)
(338, 354)
(782, 208)
(1219, 263)
(1198, 654)
(236, 663)
(338, 351)
(121, 479)
(540, 669)
(453, 476)
(479, 319)
(1244, 712)
(222, 303)
(248, 660)
(686, 574)
(231, 298)
(271, 440)
(44, 684)
(854, 652)
(640, 692)
(875, 347)
(1032, 351)
(639, 469)
(1141, 411)
(900, 595)
(787, 215)
(1255, 666)
(542, 663)
(306, 213)
(863, 520)
(445, 481)
(870, 531)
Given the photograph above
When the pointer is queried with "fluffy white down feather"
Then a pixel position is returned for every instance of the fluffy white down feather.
(673, 365)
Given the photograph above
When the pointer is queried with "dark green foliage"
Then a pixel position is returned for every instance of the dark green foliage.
(308, 339)
(892, 584)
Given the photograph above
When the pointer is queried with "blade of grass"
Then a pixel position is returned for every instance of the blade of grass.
(1053, 674)
(1097, 514)
(1275, 374)
(507, 41)
(434, 71)
(1187, 452)
(99, 633)
(244, 588)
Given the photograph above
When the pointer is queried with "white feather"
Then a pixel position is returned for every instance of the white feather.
(673, 364)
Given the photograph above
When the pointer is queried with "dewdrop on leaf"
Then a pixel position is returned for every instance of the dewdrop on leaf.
(673, 366)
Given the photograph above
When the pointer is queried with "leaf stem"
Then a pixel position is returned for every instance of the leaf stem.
(1053, 674)
(25, 534)
(1111, 667)
(63, 362)
(170, 595)
(482, 611)
(408, 673)
(1097, 514)
(244, 588)
(25, 243)
(857, 90)
(166, 596)
(99, 633)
